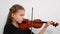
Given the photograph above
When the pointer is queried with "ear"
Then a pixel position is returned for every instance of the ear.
(12, 15)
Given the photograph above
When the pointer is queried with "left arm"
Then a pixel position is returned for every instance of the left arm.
(45, 27)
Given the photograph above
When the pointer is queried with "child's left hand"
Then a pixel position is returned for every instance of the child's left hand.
(47, 24)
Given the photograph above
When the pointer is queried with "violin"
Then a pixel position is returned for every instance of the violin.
(37, 23)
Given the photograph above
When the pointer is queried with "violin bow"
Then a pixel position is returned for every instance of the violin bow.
(31, 19)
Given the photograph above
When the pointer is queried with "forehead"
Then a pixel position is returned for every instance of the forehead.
(20, 12)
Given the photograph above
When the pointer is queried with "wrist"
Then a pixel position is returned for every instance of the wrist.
(45, 26)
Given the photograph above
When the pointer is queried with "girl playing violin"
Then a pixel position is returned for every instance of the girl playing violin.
(16, 14)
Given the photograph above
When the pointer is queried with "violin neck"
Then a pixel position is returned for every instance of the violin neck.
(44, 22)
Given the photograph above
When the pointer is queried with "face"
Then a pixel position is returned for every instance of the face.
(18, 16)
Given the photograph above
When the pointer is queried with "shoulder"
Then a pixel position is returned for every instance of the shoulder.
(8, 27)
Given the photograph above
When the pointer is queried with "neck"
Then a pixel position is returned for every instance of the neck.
(15, 24)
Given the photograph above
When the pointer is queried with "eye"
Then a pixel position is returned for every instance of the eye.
(22, 15)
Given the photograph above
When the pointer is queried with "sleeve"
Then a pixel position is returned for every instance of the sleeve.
(30, 31)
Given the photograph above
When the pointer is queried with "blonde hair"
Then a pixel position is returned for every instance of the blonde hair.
(13, 9)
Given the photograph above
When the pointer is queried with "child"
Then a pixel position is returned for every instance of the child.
(15, 15)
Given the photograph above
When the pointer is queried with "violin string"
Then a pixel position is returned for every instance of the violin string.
(31, 20)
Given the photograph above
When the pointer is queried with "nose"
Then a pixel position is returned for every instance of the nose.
(22, 18)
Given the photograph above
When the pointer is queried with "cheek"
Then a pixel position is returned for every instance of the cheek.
(18, 18)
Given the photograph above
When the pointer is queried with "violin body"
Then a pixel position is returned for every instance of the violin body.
(37, 23)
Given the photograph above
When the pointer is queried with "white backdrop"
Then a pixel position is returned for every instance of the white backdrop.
(43, 9)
